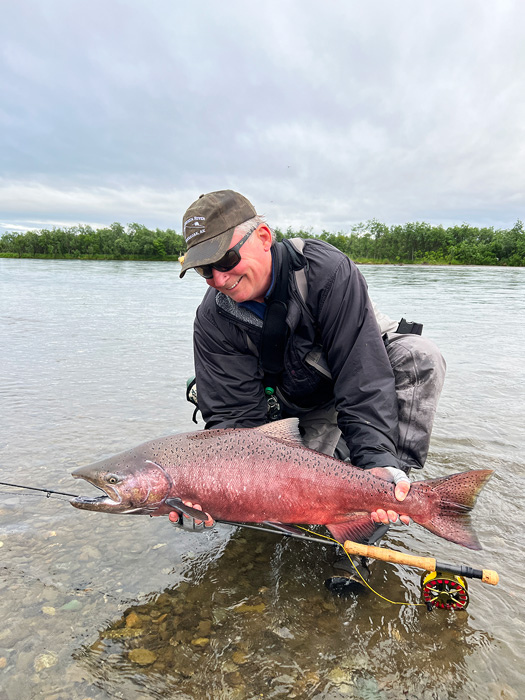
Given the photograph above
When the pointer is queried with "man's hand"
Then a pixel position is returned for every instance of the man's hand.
(402, 488)
(188, 523)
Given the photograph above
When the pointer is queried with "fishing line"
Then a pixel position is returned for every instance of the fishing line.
(48, 492)
(394, 602)
(35, 495)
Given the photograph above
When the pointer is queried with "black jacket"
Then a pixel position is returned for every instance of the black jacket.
(336, 318)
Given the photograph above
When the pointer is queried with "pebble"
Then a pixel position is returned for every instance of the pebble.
(200, 641)
(245, 608)
(160, 618)
(43, 661)
(229, 667)
(337, 676)
(133, 620)
(3, 662)
(239, 657)
(234, 678)
(72, 605)
(122, 633)
(49, 610)
(142, 657)
(204, 628)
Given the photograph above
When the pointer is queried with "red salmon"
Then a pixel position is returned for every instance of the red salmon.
(266, 474)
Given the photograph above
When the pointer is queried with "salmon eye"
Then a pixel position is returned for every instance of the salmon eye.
(112, 479)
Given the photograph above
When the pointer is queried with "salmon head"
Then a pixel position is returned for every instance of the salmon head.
(131, 482)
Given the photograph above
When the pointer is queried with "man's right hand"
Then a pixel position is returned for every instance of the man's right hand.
(188, 523)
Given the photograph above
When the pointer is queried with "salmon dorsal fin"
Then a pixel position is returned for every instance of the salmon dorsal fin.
(286, 430)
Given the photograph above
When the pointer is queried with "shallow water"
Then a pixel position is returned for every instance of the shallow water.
(94, 358)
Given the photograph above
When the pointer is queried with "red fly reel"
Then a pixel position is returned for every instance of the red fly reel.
(441, 589)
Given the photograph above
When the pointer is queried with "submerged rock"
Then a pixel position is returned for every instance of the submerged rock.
(43, 661)
(200, 641)
(245, 608)
(239, 657)
(133, 620)
(122, 633)
(142, 657)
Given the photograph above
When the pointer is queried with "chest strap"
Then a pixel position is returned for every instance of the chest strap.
(275, 329)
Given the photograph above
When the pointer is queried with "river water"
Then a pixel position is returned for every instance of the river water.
(94, 358)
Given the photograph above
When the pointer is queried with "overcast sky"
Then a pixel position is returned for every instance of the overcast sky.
(323, 113)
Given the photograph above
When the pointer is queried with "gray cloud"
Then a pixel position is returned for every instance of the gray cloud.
(323, 114)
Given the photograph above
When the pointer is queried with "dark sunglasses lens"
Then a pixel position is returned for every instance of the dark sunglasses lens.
(227, 262)
(205, 271)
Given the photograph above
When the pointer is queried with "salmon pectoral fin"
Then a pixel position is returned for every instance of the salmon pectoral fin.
(284, 527)
(358, 528)
(180, 507)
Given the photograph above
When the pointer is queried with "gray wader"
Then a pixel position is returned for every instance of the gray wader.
(419, 372)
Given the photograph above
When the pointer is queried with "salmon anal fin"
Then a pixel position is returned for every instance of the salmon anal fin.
(358, 528)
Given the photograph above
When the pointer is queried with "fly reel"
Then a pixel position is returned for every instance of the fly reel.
(441, 589)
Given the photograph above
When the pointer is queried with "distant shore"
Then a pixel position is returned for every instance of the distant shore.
(371, 242)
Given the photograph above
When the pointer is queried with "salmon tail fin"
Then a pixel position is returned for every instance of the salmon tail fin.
(457, 496)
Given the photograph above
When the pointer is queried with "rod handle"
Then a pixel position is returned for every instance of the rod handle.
(425, 563)
(389, 555)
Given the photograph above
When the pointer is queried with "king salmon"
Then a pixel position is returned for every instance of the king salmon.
(266, 474)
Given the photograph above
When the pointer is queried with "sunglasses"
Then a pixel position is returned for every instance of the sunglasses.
(226, 263)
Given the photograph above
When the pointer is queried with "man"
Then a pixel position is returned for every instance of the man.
(336, 363)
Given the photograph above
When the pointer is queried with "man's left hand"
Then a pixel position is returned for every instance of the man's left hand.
(401, 490)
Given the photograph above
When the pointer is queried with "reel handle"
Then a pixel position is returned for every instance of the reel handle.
(426, 563)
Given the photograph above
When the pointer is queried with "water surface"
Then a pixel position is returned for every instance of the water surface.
(94, 358)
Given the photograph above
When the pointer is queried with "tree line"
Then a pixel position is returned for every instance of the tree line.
(371, 242)
(115, 242)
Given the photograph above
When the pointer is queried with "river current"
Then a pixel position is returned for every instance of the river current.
(94, 358)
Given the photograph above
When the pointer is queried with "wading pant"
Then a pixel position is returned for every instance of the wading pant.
(419, 371)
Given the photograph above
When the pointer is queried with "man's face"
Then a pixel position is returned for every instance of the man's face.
(251, 278)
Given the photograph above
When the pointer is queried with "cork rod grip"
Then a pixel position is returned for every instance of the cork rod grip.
(426, 563)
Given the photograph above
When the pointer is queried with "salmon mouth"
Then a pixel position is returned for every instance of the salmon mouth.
(105, 502)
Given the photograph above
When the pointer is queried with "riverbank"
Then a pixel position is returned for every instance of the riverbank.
(415, 243)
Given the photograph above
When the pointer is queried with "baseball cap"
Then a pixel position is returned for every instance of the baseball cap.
(209, 223)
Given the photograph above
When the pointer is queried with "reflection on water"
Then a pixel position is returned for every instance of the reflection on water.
(94, 358)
